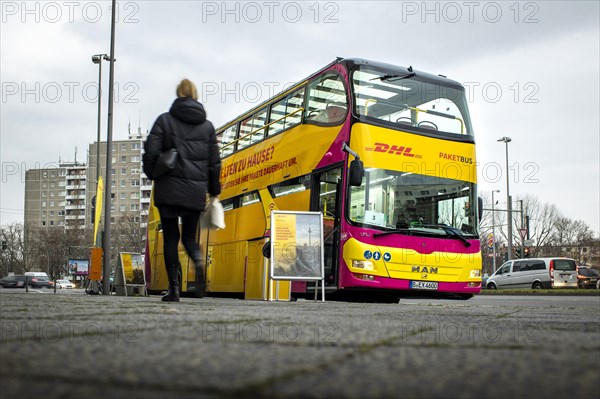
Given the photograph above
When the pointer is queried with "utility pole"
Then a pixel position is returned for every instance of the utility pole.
(106, 267)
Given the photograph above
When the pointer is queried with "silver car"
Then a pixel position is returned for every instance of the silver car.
(536, 273)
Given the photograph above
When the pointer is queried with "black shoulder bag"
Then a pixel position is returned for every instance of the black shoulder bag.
(167, 160)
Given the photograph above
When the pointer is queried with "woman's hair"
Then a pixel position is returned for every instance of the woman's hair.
(186, 88)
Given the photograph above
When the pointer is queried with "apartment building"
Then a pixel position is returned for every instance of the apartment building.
(55, 196)
(62, 194)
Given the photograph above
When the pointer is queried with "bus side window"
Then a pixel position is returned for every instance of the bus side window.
(226, 139)
(286, 113)
(252, 129)
(327, 101)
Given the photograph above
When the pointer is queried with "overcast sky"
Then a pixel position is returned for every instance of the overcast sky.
(531, 70)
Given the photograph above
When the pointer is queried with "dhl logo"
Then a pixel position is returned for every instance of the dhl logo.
(393, 149)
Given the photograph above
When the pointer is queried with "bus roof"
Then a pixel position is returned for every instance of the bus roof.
(349, 63)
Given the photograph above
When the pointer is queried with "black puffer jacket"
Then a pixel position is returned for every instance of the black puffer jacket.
(198, 164)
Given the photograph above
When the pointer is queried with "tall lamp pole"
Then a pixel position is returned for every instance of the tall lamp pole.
(494, 231)
(106, 267)
(507, 140)
(97, 59)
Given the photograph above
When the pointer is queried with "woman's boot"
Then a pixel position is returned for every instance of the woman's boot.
(200, 277)
(173, 292)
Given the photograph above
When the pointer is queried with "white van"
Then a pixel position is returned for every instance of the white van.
(37, 274)
(536, 273)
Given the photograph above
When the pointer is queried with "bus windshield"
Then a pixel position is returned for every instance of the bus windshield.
(413, 203)
(407, 100)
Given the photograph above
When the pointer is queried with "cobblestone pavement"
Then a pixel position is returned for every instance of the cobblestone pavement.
(73, 345)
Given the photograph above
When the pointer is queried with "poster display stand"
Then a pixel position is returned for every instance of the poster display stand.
(130, 277)
(297, 251)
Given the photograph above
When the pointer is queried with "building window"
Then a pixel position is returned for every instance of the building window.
(43, 204)
(135, 183)
(122, 196)
(123, 183)
(135, 158)
(123, 171)
(135, 146)
(122, 208)
(123, 147)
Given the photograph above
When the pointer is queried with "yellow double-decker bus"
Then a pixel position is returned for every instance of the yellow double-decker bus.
(386, 153)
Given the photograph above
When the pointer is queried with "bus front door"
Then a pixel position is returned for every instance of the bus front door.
(326, 198)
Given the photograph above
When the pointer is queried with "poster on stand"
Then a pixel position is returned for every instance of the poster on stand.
(297, 245)
(130, 273)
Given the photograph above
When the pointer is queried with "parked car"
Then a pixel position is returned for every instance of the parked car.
(40, 282)
(15, 281)
(536, 273)
(587, 277)
(19, 281)
(64, 284)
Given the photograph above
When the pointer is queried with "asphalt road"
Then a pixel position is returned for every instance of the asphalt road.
(73, 345)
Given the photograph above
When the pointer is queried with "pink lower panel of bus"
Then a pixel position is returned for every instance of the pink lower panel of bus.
(347, 280)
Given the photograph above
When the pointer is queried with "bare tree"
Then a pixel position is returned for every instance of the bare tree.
(51, 247)
(129, 236)
(11, 250)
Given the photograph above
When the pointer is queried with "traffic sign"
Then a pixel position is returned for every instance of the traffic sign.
(522, 233)
(490, 240)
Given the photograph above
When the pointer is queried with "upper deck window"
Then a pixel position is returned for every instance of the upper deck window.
(226, 140)
(327, 103)
(410, 101)
(252, 129)
(286, 113)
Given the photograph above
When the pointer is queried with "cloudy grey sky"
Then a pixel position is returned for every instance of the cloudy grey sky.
(531, 69)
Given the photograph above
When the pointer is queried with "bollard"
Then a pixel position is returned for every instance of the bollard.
(26, 283)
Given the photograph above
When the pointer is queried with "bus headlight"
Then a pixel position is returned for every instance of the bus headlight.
(362, 264)
(475, 273)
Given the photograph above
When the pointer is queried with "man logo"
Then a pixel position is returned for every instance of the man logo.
(424, 269)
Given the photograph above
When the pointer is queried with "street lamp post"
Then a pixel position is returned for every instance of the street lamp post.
(507, 140)
(494, 232)
(97, 59)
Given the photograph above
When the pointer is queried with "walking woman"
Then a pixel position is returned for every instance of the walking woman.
(181, 192)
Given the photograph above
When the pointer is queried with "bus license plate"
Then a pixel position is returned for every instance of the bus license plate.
(424, 285)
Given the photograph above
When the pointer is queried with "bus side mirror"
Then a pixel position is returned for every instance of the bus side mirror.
(480, 207)
(356, 173)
